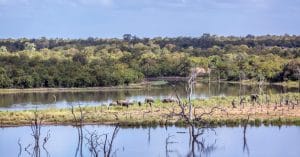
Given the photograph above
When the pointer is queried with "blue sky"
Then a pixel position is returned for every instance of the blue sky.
(147, 18)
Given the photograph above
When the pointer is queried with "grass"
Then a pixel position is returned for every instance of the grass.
(157, 114)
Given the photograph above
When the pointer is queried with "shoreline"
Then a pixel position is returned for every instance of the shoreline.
(137, 86)
(159, 114)
(146, 84)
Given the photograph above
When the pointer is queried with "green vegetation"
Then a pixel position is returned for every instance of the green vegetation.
(267, 113)
(32, 63)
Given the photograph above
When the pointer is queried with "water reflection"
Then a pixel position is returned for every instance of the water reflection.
(34, 149)
(223, 141)
(62, 99)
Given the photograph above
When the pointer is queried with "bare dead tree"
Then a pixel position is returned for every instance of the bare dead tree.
(36, 133)
(36, 125)
(188, 114)
(78, 124)
(190, 88)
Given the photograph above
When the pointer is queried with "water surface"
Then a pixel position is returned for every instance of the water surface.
(151, 142)
(63, 99)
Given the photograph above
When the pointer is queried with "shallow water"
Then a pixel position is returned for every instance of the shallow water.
(20, 101)
(151, 142)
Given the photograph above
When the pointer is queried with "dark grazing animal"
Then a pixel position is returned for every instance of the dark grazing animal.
(254, 97)
(168, 100)
(124, 103)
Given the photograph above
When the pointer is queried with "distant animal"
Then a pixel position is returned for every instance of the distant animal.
(168, 100)
(140, 103)
(124, 103)
(254, 97)
(149, 100)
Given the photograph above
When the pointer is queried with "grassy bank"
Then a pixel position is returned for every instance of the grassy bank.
(160, 113)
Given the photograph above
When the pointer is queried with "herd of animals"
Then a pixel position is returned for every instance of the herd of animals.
(254, 98)
(148, 100)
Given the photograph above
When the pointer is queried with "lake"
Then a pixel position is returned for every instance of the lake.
(154, 142)
(21, 101)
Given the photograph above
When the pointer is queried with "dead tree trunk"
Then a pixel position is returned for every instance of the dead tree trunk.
(78, 124)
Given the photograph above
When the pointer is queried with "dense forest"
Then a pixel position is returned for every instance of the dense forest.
(27, 63)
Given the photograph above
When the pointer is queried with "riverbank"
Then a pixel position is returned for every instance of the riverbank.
(287, 84)
(146, 84)
(136, 86)
(165, 113)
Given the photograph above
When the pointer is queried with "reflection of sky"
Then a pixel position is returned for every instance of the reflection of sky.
(262, 141)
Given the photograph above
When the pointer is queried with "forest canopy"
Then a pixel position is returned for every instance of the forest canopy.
(28, 63)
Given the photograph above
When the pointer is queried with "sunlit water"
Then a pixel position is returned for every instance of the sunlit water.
(151, 142)
(21, 101)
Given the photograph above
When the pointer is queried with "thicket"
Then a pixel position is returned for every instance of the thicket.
(27, 63)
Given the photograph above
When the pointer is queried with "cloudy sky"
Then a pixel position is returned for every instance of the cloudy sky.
(147, 18)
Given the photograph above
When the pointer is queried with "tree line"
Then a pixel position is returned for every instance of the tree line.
(28, 63)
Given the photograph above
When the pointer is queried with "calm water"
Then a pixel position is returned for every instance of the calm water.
(151, 142)
(47, 100)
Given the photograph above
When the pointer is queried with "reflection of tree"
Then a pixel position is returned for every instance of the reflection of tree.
(189, 115)
(96, 143)
(149, 135)
(78, 151)
(245, 144)
(78, 124)
(36, 126)
(20, 147)
(101, 143)
(167, 145)
(199, 147)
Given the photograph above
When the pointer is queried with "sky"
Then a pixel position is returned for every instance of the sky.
(147, 18)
